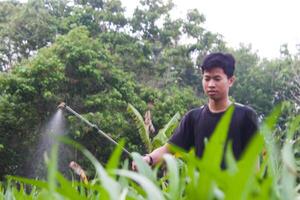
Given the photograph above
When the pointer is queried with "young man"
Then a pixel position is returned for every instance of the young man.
(199, 123)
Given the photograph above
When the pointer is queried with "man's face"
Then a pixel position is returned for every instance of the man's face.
(216, 84)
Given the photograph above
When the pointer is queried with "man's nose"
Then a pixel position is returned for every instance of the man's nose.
(211, 83)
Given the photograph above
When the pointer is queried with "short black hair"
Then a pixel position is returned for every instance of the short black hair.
(222, 60)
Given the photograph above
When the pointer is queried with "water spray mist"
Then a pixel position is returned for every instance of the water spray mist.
(94, 126)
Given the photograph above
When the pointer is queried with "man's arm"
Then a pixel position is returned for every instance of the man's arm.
(182, 137)
(154, 157)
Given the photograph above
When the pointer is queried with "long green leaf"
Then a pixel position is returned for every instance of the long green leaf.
(267, 130)
(110, 185)
(152, 191)
(230, 160)
(142, 167)
(66, 188)
(174, 188)
(244, 178)
(213, 153)
(33, 182)
(52, 167)
(210, 165)
(289, 170)
(190, 172)
(114, 159)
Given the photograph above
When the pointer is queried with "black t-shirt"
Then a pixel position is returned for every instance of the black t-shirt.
(200, 123)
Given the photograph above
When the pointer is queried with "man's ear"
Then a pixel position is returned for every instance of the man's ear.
(231, 81)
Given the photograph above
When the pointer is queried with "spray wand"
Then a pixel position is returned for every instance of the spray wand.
(94, 126)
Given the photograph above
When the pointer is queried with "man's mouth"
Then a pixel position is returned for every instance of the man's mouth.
(211, 92)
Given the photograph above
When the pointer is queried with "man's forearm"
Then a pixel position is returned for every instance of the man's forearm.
(154, 157)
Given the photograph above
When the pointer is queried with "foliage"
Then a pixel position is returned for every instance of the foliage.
(186, 178)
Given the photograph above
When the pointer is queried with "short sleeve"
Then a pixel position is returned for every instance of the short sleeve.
(183, 136)
(250, 126)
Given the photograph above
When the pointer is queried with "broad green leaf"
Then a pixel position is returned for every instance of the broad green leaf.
(171, 125)
(139, 121)
(163, 135)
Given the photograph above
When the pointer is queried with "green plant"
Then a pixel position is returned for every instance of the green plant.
(163, 134)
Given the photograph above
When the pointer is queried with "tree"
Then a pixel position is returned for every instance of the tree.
(7, 10)
(295, 83)
(25, 31)
(263, 84)
(145, 18)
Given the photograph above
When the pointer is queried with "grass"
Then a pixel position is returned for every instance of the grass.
(186, 177)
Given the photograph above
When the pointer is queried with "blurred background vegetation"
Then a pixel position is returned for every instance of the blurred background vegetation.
(88, 54)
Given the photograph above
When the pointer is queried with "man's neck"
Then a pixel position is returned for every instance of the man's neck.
(218, 106)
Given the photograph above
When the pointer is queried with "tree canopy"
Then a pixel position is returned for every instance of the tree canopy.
(88, 54)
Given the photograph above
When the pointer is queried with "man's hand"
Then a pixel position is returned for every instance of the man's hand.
(154, 157)
(147, 158)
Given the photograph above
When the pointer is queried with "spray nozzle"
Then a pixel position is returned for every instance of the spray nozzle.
(61, 105)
